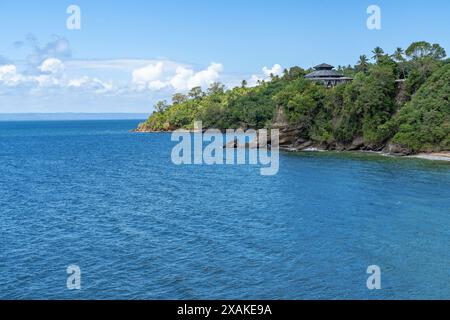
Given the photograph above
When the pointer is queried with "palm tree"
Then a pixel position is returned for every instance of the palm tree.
(363, 63)
(378, 54)
(398, 55)
(400, 59)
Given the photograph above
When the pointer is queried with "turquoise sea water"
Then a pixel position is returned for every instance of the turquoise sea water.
(93, 194)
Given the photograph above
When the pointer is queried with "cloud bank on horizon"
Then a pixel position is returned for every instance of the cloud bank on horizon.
(107, 56)
(51, 80)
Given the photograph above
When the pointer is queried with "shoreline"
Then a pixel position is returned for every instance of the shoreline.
(432, 156)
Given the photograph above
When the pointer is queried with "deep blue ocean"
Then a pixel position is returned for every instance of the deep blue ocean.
(93, 194)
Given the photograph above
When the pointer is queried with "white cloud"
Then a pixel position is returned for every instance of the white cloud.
(52, 76)
(148, 74)
(276, 70)
(93, 84)
(157, 85)
(133, 80)
(254, 79)
(164, 74)
(46, 80)
(181, 78)
(79, 82)
(52, 65)
(200, 79)
(9, 75)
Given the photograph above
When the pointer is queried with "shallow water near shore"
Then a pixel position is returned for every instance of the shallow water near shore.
(93, 194)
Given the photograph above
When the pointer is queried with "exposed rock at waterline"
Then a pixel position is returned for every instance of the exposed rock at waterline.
(397, 149)
(254, 144)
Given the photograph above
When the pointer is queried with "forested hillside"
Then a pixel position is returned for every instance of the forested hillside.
(397, 102)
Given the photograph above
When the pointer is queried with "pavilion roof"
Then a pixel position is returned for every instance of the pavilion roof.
(324, 66)
(324, 74)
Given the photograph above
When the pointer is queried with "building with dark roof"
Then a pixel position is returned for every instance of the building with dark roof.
(325, 74)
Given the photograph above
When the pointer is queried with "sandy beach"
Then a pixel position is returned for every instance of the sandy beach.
(441, 156)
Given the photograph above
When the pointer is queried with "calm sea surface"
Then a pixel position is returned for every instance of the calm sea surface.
(93, 194)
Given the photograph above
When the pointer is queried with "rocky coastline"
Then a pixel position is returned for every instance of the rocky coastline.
(290, 143)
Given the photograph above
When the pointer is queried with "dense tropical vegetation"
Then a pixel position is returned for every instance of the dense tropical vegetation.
(400, 99)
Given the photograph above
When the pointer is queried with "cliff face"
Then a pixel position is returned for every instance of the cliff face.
(141, 128)
(288, 133)
(290, 140)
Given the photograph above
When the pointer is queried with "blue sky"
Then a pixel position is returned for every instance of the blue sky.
(128, 54)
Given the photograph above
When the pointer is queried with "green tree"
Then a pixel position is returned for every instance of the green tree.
(216, 88)
(423, 49)
(363, 64)
(378, 53)
(365, 109)
(196, 93)
(398, 57)
(161, 106)
(424, 122)
(296, 72)
(178, 98)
